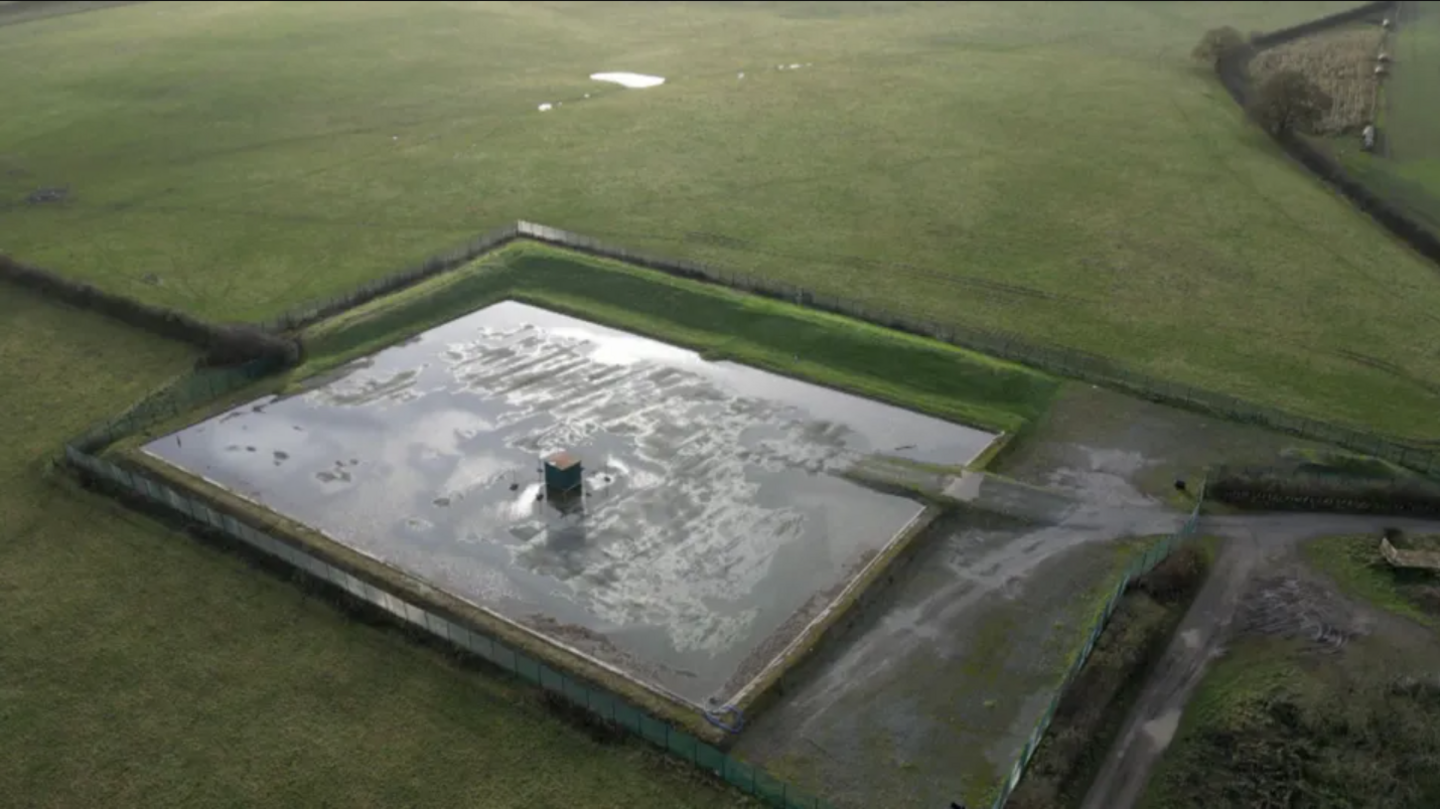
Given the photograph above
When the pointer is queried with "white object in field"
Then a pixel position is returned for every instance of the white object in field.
(635, 81)
(1368, 137)
(740, 75)
(1386, 23)
(546, 107)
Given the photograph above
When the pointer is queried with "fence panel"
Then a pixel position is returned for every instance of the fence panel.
(604, 704)
(1143, 564)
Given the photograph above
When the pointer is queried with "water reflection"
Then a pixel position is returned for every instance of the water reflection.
(710, 512)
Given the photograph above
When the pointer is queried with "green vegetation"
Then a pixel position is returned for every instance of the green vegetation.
(1095, 706)
(1357, 567)
(1348, 464)
(721, 324)
(1064, 171)
(1406, 170)
(1412, 122)
(142, 668)
(1276, 724)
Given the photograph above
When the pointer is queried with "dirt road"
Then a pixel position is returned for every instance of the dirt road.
(1254, 546)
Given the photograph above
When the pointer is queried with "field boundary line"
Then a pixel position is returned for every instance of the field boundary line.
(1417, 455)
(1233, 71)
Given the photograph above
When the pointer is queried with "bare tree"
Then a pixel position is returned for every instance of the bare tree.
(1289, 101)
(1216, 43)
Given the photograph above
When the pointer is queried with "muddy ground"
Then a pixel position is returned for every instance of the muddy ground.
(930, 698)
(1120, 451)
(1258, 586)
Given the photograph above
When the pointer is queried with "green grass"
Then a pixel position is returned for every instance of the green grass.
(1414, 122)
(139, 667)
(1355, 564)
(1273, 724)
(721, 324)
(1409, 174)
(1339, 462)
(1060, 170)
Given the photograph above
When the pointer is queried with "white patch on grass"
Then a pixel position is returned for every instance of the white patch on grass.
(635, 81)
(546, 107)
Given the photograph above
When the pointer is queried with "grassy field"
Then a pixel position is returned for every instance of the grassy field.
(1407, 171)
(1413, 123)
(141, 668)
(1063, 171)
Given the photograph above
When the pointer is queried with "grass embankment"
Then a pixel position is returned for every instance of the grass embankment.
(141, 668)
(1185, 245)
(848, 355)
(1095, 706)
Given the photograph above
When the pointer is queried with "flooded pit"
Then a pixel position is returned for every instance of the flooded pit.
(712, 510)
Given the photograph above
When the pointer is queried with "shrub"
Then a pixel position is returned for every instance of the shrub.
(1216, 43)
(1289, 102)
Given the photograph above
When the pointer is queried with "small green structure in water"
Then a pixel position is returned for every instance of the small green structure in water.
(562, 473)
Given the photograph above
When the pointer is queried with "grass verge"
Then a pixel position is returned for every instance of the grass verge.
(1094, 707)
(912, 372)
(1357, 568)
(139, 668)
(1275, 724)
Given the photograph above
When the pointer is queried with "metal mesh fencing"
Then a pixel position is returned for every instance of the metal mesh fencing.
(602, 703)
(179, 396)
(1143, 564)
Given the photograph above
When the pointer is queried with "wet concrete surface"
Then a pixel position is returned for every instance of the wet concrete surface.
(1111, 449)
(712, 509)
(930, 697)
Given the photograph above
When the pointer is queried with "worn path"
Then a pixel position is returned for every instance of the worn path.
(1254, 545)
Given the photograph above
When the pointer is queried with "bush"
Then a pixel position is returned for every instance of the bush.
(1176, 578)
(239, 344)
(1216, 43)
(1290, 102)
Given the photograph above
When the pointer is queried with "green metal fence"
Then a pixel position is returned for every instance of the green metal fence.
(1139, 567)
(745, 777)
(180, 395)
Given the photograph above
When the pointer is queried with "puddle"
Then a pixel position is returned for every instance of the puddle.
(712, 508)
(1162, 730)
(635, 81)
